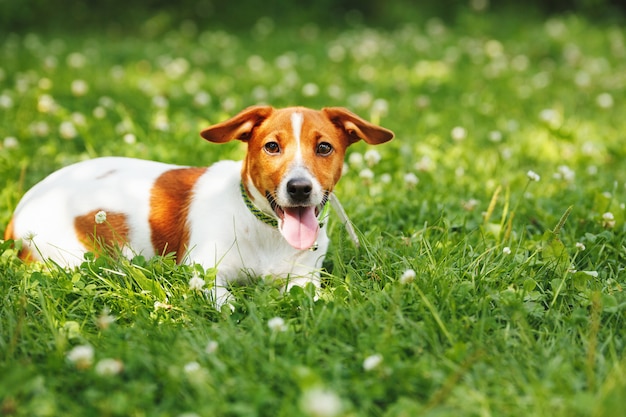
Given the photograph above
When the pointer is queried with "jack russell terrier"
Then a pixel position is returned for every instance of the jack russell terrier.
(259, 217)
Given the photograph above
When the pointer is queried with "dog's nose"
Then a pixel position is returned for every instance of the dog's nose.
(299, 189)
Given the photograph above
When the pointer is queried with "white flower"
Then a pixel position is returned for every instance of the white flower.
(79, 88)
(366, 174)
(46, 104)
(372, 362)
(105, 319)
(277, 324)
(608, 220)
(533, 176)
(196, 283)
(458, 133)
(319, 402)
(407, 276)
(10, 142)
(67, 130)
(109, 367)
(6, 102)
(425, 164)
(130, 139)
(211, 347)
(580, 246)
(101, 217)
(411, 180)
(506, 250)
(372, 157)
(470, 205)
(310, 90)
(164, 306)
(604, 101)
(81, 356)
(192, 367)
(355, 159)
(565, 173)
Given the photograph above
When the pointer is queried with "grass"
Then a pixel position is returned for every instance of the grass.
(477, 291)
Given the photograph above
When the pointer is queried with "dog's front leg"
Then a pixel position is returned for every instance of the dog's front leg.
(220, 294)
(302, 281)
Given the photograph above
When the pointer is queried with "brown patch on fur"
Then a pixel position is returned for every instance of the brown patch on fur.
(24, 252)
(96, 237)
(169, 207)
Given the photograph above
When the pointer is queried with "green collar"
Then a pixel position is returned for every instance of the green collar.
(261, 215)
(266, 218)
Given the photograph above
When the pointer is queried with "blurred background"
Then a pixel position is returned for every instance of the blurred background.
(124, 15)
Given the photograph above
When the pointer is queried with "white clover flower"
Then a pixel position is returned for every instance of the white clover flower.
(99, 112)
(6, 102)
(495, 136)
(372, 157)
(355, 159)
(76, 60)
(46, 104)
(604, 101)
(129, 139)
(407, 276)
(506, 250)
(425, 164)
(608, 220)
(411, 180)
(105, 319)
(320, 402)
(67, 130)
(191, 367)
(160, 102)
(161, 305)
(458, 133)
(196, 283)
(310, 90)
(277, 324)
(533, 176)
(79, 88)
(385, 178)
(366, 174)
(109, 367)
(202, 99)
(211, 347)
(10, 142)
(81, 356)
(470, 205)
(372, 362)
(580, 246)
(40, 128)
(565, 173)
(100, 217)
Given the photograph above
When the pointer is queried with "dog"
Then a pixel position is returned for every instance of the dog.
(260, 217)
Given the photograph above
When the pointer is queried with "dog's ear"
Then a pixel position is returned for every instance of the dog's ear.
(356, 128)
(239, 127)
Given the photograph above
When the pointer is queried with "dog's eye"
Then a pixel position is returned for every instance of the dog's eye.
(324, 149)
(272, 148)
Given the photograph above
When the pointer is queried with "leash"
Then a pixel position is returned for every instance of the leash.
(273, 222)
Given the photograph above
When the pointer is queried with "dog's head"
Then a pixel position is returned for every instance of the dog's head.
(294, 159)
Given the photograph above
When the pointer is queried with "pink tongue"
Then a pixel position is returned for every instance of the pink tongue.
(300, 227)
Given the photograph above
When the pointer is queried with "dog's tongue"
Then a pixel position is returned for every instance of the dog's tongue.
(300, 227)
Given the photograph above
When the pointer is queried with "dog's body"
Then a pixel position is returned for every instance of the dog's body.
(255, 218)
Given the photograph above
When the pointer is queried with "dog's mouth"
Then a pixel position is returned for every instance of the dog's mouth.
(298, 224)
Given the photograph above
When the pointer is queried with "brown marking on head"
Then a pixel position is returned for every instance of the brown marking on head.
(260, 125)
(169, 206)
(99, 237)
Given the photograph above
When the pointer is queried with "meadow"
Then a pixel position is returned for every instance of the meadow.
(490, 277)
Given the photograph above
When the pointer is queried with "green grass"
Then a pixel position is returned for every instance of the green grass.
(495, 322)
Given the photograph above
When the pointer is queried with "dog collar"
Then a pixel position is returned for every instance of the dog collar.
(261, 215)
(270, 220)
